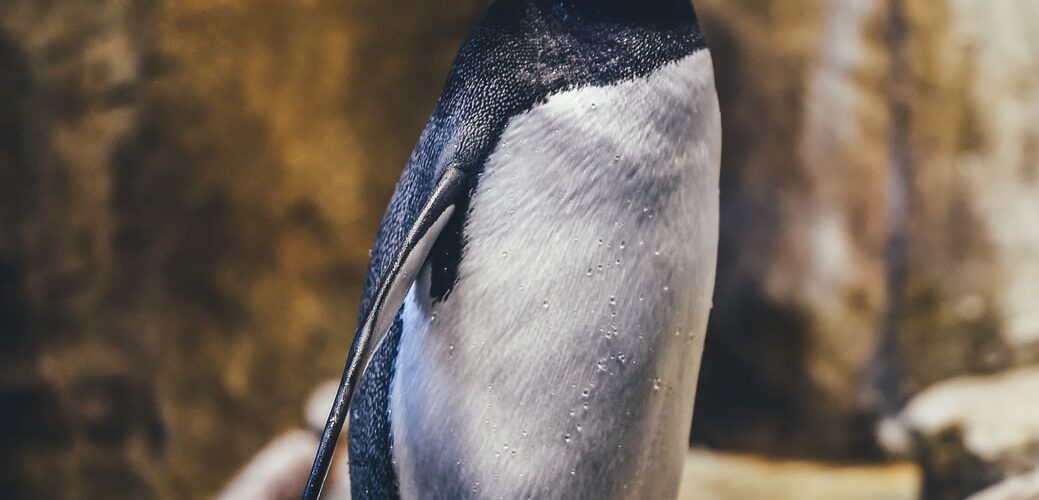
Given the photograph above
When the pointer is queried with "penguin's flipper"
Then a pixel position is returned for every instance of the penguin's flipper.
(408, 260)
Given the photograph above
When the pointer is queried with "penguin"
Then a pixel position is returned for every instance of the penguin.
(534, 312)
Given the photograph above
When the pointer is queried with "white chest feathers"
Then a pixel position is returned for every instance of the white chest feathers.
(564, 362)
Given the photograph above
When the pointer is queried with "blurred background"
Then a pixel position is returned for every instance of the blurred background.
(189, 189)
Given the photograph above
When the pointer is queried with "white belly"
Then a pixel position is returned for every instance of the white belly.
(564, 362)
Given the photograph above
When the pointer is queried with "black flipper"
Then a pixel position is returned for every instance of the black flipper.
(407, 263)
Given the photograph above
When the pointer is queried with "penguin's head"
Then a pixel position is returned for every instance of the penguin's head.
(635, 10)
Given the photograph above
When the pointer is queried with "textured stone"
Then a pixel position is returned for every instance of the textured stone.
(801, 296)
(78, 390)
(878, 212)
(279, 132)
(189, 192)
(1024, 487)
(973, 265)
(970, 432)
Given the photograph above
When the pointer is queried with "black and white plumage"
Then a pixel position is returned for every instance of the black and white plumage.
(537, 296)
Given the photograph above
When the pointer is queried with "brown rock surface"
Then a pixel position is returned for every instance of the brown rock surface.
(969, 304)
(879, 212)
(188, 190)
(801, 298)
(80, 416)
(973, 265)
(282, 129)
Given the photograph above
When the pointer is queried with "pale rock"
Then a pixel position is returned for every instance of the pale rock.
(1024, 487)
(969, 432)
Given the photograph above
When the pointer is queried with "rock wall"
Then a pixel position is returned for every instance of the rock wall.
(973, 262)
(879, 214)
(969, 304)
(80, 415)
(277, 133)
(188, 191)
(801, 295)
